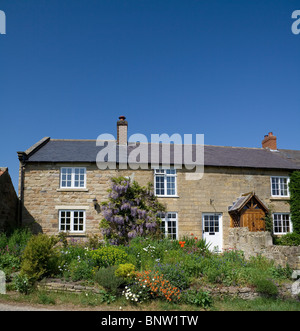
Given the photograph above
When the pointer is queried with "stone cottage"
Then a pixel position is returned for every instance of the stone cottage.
(62, 181)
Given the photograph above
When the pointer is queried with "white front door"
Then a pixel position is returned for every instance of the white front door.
(212, 231)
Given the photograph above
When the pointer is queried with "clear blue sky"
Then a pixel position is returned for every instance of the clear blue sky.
(226, 68)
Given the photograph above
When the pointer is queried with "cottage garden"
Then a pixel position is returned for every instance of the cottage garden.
(136, 264)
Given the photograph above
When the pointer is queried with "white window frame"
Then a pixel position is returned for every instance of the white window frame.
(279, 186)
(160, 172)
(166, 218)
(73, 176)
(72, 224)
(283, 227)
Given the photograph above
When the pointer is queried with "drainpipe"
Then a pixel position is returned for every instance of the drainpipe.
(22, 158)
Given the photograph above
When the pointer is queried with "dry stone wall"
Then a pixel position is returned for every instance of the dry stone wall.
(255, 243)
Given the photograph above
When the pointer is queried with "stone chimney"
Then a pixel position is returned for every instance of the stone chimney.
(122, 131)
(270, 142)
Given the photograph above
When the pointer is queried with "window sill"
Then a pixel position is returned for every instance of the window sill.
(74, 234)
(167, 196)
(280, 198)
(72, 190)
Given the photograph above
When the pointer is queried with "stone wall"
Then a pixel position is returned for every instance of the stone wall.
(8, 201)
(255, 243)
(217, 190)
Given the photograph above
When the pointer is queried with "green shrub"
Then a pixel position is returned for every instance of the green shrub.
(175, 274)
(289, 239)
(199, 298)
(9, 263)
(125, 270)
(107, 278)
(40, 258)
(80, 270)
(108, 256)
(266, 287)
(22, 284)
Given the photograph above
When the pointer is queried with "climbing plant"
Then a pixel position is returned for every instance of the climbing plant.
(131, 211)
(294, 187)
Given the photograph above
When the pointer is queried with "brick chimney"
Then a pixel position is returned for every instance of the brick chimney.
(122, 131)
(270, 142)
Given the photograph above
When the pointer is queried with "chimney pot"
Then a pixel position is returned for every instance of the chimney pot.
(122, 126)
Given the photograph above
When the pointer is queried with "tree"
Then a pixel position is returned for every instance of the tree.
(294, 187)
(131, 211)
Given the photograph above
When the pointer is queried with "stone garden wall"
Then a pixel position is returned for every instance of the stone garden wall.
(255, 243)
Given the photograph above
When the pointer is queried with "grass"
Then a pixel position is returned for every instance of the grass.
(91, 301)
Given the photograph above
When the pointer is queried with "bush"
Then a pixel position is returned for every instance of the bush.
(108, 256)
(15, 242)
(80, 270)
(22, 284)
(107, 278)
(266, 287)
(289, 239)
(158, 285)
(175, 274)
(125, 271)
(199, 298)
(9, 263)
(40, 258)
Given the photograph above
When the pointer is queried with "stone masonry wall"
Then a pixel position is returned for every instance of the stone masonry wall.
(255, 243)
(217, 190)
(8, 201)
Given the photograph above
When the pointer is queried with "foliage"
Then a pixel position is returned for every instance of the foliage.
(15, 242)
(22, 283)
(198, 298)
(289, 239)
(107, 278)
(131, 211)
(40, 257)
(108, 256)
(266, 287)
(193, 244)
(136, 293)
(294, 187)
(175, 274)
(126, 270)
(9, 263)
(158, 285)
(80, 270)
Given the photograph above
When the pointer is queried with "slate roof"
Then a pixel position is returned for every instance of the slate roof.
(242, 201)
(59, 150)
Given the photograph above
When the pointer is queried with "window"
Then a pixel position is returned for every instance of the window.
(280, 186)
(72, 177)
(165, 182)
(72, 220)
(211, 223)
(282, 223)
(169, 225)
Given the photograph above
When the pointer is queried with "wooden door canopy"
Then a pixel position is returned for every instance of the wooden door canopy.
(248, 211)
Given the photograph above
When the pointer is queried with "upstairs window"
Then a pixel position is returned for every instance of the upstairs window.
(72, 177)
(165, 182)
(280, 186)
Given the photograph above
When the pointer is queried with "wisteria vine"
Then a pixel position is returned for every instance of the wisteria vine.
(131, 211)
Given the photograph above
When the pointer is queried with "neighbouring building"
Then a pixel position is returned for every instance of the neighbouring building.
(8, 201)
(60, 182)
